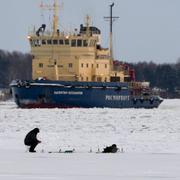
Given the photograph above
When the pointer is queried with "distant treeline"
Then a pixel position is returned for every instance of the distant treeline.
(17, 65)
(14, 65)
(164, 76)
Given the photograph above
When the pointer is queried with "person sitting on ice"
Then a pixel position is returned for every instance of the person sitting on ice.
(31, 139)
(110, 149)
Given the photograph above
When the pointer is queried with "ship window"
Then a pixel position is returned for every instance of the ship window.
(49, 41)
(70, 65)
(43, 41)
(67, 42)
(85, 43)
(99, 79)
(31, 42)
(73, 43)
(82, 65)
(40, 65)
(79, 42)
(50, 66)
(55, 41)
(87, 65)
(94, 43)
(115, 79)
(37, 42)
(91, 43)
(61, 42)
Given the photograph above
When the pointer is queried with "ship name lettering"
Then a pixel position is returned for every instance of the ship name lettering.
(68, 93)
(117, 98)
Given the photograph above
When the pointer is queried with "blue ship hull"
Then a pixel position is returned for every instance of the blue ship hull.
(52, 94)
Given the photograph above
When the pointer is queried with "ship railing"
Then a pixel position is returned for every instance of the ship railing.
(50, 33)
(85, 85)
(58, 34)
(139, 85)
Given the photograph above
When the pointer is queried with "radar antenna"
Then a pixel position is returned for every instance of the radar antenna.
(111, 19)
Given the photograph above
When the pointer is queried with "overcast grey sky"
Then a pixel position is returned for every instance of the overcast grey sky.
(147, 29)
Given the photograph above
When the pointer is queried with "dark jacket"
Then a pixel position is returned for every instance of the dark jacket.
(31, 137)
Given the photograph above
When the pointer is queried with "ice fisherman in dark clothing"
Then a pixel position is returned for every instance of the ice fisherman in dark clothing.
(31, 139)
(110, 149)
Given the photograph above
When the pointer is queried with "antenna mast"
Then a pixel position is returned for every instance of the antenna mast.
(111, 19)
(88, 19)
(55, 18)
(55, 9)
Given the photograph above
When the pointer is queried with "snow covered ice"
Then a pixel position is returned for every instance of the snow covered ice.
(150, 139)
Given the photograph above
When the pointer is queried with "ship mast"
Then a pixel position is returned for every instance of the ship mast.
(55, 18)
(55, 9)
(111, 19)
(88, 19)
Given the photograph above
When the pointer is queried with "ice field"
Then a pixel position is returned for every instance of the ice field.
(150, 139)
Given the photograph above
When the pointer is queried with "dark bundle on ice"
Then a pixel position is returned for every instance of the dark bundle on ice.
(111, 149)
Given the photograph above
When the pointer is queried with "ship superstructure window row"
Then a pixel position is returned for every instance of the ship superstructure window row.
(67, 42)
(92, 66)
(87, 65)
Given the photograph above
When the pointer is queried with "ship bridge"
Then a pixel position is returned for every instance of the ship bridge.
(75, 56)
